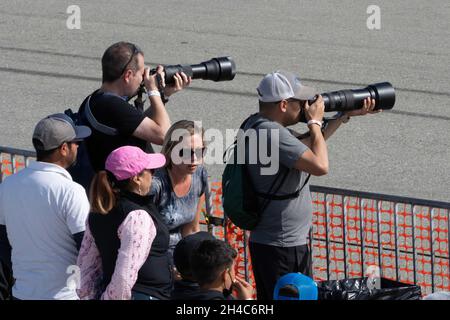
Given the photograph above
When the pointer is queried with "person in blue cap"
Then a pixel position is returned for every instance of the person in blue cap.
(295, 286)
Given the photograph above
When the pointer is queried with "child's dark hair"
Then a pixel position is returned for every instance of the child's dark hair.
(210, 259)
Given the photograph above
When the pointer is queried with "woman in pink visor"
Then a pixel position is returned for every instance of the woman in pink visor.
(124, 253)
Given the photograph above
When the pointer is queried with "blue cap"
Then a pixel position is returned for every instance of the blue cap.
(295, 286)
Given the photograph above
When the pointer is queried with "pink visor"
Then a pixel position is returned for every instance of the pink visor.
(126, 162)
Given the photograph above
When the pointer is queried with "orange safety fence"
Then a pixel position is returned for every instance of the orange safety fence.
(13, 160)
(406, 238)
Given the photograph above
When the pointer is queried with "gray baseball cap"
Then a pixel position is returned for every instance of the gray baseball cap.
(282, 85)
(54, 130)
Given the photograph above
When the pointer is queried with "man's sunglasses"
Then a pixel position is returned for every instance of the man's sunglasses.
(302, 103)
(133, 54)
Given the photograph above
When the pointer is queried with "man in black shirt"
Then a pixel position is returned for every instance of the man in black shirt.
(123, 71)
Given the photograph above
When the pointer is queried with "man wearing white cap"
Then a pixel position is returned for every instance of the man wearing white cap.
(285, 200)
(43, 214)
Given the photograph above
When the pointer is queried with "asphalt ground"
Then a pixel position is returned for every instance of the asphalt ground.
(46, 67)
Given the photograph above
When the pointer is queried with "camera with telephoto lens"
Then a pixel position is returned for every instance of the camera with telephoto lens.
(351, 99)
(216, 69)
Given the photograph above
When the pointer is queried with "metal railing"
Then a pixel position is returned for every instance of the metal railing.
(13, 160)
(406, 238)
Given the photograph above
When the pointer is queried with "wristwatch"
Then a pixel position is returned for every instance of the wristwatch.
(319, 123)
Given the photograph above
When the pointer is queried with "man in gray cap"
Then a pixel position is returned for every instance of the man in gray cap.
(43, 214)
(285, 202)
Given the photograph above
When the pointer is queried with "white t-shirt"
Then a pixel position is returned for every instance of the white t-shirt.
(42, 208)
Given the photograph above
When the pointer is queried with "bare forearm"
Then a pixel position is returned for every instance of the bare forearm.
(318, 145)
(331, 128)
(158, 113)
(193, 226)
(190, 228)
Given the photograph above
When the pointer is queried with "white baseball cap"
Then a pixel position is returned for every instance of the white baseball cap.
(282, 85)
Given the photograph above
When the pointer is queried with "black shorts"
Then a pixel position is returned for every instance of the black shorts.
(269, 263)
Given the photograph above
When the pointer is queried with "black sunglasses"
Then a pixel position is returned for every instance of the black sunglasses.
(188, 153)
(301, 102)
(133, 54)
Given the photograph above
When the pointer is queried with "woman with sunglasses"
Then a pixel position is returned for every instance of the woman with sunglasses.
(124, 253)
(178, 187)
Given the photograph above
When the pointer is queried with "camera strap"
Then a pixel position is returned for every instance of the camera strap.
(161, 88)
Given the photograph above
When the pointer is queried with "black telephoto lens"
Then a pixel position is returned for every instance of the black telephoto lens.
(346, 100)
(216, 69)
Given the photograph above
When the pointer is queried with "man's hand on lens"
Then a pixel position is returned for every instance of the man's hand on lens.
(181, 81)
(368, 107)
(316, 110)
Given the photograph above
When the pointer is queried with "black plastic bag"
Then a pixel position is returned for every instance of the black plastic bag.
(358, 289)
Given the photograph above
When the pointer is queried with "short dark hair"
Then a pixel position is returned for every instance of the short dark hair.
(42, 155)
(210, 259)
(117, 58)
(184, 249)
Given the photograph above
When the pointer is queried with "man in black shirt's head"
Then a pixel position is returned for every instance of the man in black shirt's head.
(123, 68)
(123, 71)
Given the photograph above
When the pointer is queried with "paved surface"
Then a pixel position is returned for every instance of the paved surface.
(45, 67)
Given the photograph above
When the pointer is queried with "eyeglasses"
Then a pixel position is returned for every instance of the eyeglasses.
(188, 153)
(133, 54)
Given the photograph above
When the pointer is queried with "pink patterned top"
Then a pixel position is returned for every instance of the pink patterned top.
(136, 234)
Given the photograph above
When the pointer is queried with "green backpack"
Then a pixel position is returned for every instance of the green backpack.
(239, 199)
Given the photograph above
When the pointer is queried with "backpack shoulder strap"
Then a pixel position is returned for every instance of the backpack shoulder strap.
(271, 189)
(286, 196)
(94, 123)
(271, 194)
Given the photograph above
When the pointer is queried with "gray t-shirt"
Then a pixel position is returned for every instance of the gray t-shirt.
(284, 223)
